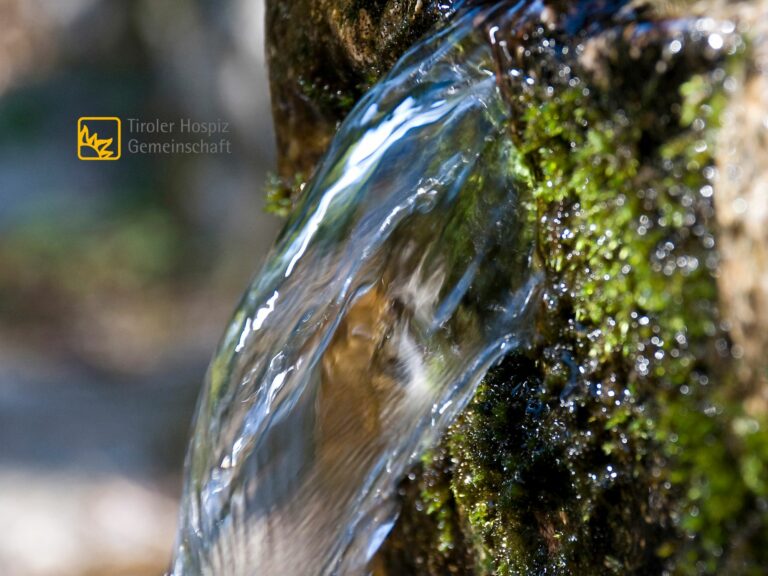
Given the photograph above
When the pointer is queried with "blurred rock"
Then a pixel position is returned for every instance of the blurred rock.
(742, 209)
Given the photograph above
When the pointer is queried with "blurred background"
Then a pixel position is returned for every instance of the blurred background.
(116, 278)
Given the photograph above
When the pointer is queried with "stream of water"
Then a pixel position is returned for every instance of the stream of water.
(401, 278)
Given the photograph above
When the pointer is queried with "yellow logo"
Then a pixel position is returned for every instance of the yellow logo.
(98, 138)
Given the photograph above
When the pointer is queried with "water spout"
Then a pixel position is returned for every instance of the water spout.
(403, 275)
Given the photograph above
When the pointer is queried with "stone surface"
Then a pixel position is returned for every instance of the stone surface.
(742, 212)
(632, 436)
(322, 56)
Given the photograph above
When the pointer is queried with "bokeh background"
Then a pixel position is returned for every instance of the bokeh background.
(116, 278)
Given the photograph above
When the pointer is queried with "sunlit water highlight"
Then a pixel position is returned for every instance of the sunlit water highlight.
(403, 276)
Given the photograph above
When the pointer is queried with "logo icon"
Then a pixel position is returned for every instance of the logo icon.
(98, 138)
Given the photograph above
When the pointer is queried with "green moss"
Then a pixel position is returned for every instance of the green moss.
(430, 536)
(612, 444)
(280, 194)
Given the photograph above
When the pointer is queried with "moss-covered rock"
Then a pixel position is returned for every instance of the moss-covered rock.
(323, 55)
(624, 439)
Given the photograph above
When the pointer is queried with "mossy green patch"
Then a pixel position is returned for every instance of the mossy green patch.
(614, 444)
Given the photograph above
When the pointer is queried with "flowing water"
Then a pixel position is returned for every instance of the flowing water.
(403, 276)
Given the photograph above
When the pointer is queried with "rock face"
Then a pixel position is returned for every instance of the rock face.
(742, 213)
(631, 437)
(322, 56)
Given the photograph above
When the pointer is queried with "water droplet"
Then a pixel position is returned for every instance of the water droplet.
(715, 41)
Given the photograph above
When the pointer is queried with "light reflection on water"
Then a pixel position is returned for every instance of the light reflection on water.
(386, 298)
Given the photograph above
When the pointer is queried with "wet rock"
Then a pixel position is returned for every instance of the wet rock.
(742, 212)
(631, 437)
(322, 57)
